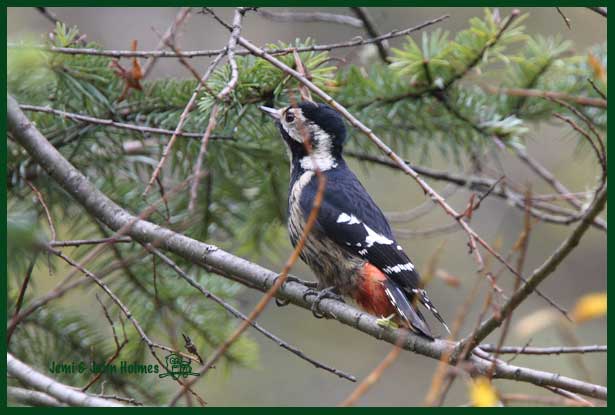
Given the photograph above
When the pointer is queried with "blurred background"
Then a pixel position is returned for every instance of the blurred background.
(283, 379)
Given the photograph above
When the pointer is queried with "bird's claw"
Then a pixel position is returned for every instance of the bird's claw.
(284, 302)
(321, 295)
(281, 302)
(309, 284)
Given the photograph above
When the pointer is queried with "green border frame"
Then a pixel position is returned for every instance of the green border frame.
(265, 3)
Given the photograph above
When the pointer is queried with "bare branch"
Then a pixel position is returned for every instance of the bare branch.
(63, 393)
(110, 123)
(236, 313)
(372, 378)
(557, 350)
(79, 242)
(22, 292)
(357, 41)
(31, 398)
(542, 272)
(109, 213)
(566, 20)
(168, 35)
(538, 93)
(39, 196)
(182, 120)
(370, 27)
(472, 235)
(319, 17)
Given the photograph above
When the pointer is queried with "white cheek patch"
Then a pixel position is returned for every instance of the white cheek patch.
(375, 238)
(321, 156)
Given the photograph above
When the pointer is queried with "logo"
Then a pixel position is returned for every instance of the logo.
(177, 367)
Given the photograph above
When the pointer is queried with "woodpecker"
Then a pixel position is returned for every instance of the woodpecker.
(351, 248)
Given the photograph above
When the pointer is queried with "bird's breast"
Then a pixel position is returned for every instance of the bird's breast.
(331, 263)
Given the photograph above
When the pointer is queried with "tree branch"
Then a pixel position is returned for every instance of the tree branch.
(357, 41)
(542, 272)
(115, 217)
(59, 391)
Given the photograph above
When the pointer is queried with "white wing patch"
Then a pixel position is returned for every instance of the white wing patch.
(375, 238)
(346, 218)
(399, 268)
(372, 237)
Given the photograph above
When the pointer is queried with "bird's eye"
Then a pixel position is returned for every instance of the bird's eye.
(289, 117)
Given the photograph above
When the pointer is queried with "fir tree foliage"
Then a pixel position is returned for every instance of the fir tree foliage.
(429, 97)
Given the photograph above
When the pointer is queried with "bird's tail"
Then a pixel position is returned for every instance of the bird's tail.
(423, 299)
(406, 309)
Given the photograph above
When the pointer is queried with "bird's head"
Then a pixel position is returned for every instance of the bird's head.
(320, 124)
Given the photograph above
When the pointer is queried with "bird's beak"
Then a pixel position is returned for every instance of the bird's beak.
(272, 112)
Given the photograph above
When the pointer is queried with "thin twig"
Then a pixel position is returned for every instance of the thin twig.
(566, 20)
(521, 245)
(211, 257)
(168, 36)
(555, 350)
(538, 93)
(182, 120)
(595, 88)
(472, 235)
(236, 313)
(599, 153)
(20, 297)
(110, 123)
(543, 271)
(370, 27)
(79, 242)
(194, 187)
(265, 299)
(372, 378)
(357, 41)
(41, 200)
(118, 346)
(49, 15)
(150, 344)
(318, 17)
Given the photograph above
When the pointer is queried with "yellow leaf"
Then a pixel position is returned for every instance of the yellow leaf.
(535, 322)
(589, 306)
(482, 393)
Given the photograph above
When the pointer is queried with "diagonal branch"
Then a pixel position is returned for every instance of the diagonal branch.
(473, 237)
(63, 393)
(543, 271)
(370, 27)
(99, 205)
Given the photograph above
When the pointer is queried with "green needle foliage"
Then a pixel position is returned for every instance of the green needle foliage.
(431, 96)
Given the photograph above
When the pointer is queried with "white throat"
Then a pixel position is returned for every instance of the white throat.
(321, 160)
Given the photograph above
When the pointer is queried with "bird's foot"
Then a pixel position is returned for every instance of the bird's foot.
(283, 302)
(309, 284)
(387, 322)
(328, 292)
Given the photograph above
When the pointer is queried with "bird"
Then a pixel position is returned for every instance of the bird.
(351, 248)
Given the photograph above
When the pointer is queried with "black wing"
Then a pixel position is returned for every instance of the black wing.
(350, 217)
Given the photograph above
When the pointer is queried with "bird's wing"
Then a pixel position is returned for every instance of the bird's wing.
(350, 217)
